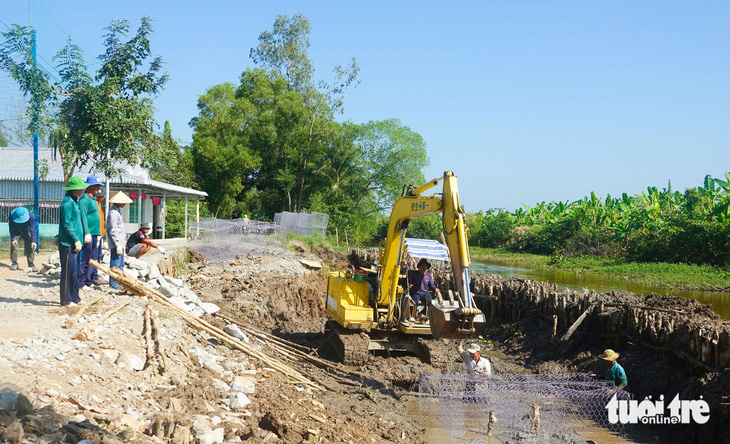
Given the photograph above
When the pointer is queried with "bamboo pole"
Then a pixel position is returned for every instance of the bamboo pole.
(141, 289)
(87, 330)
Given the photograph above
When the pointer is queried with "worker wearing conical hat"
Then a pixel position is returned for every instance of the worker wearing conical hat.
(116, 233)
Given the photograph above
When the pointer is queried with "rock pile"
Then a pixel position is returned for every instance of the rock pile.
(173, 288)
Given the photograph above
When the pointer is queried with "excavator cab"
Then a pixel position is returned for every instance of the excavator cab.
(378, 301)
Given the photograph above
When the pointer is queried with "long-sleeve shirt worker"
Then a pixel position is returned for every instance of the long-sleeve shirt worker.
(17, 230)
(115, 230)
(483, 367)
(616, 374)
(91, 220)
(70, 229)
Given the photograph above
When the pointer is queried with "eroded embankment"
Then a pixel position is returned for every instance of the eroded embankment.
(669, 345)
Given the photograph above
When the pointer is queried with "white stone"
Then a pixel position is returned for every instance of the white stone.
(154, 272)
(189, 295)
(134, 361)
(209, 307)
(244, 384)
(54, 258)
(113, 355)
(212, 436)
(235, 331)
(197, 311)
(132, 272)
(238, 401)
(167, 289)
(312, 265)
(220, 385)
(176, 282)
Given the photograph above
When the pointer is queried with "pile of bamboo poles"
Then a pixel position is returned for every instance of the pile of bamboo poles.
(139, 288)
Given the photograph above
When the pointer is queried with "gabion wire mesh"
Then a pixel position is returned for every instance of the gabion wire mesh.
(224, 239)
(542, 408)
(305, 224)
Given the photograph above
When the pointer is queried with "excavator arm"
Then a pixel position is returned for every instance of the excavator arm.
(451, 317)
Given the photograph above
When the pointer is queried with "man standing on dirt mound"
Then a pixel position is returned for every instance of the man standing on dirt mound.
(614, 371)
(70, 234)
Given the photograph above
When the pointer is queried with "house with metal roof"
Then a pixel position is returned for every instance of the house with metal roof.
(150, 196)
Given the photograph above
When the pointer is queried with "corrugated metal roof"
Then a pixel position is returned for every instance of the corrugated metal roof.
(17, 165)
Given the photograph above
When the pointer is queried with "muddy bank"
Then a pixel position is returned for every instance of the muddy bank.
(668, 345)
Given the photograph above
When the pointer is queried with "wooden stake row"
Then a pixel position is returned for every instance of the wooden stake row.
(139, 288)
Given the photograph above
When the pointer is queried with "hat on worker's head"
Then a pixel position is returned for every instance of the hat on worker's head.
(147, 225)
(609, 355)
(120, 198)
(473, 348)
(423, 261)
(75, 183)
(20, 215)
(93, 180)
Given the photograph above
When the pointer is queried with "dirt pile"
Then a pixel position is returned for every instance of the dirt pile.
(105, 388)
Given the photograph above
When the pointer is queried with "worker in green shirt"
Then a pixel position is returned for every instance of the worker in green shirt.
(70, 235)
(613, 371)
(91, 223)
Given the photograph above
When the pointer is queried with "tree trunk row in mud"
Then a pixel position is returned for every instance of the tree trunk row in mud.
(677, 325)
(681, 326)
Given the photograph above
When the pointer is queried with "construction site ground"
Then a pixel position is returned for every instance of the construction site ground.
(104, 388)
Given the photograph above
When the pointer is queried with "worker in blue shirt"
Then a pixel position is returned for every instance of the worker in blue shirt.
(22, 227)
(614, 372)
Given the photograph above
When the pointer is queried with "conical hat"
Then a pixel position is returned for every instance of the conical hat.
(120, 198)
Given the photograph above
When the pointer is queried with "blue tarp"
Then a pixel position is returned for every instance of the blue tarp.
(429, 249)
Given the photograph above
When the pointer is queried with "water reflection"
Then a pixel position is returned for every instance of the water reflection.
(720, 302)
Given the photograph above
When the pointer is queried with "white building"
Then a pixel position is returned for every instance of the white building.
(150, 196)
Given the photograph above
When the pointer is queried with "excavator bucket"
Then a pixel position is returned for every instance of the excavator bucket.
(450, 321)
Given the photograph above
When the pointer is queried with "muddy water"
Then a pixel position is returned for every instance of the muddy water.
(720, 302)
(436, 431)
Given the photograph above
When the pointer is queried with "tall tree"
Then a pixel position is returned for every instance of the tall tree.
(220, 150)
(16, 59)
(111, 117)
(283, 53)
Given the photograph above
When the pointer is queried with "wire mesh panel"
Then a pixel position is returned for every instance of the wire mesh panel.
(305, 224)
(529, 408)
(227, 238)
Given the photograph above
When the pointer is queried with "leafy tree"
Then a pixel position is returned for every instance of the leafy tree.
(283, 53)
(221, 157)
(112, 117)
(16, 59)
(392, 155)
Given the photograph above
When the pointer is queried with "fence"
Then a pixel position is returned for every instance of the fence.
(539, 408)
(223, 239)
(305, 224)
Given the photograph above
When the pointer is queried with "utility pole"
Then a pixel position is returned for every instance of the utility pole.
(36, 209)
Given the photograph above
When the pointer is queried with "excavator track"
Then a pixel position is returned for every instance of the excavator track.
(351, 346)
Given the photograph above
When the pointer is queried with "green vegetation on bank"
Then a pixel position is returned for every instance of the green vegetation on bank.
(654, 226)
(669, 276)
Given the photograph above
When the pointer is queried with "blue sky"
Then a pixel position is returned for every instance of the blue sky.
(524, 101)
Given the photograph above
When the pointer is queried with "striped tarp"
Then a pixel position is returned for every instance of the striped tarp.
(429, 249)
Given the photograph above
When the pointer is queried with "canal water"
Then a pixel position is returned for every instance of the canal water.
(720, 301)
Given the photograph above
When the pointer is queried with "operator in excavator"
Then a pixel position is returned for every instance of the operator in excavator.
(420, 282)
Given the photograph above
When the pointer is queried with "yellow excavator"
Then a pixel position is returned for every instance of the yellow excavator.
(370, 308)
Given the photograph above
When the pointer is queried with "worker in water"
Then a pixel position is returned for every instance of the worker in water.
(475, 363)
(614, 372)
(420, 283)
